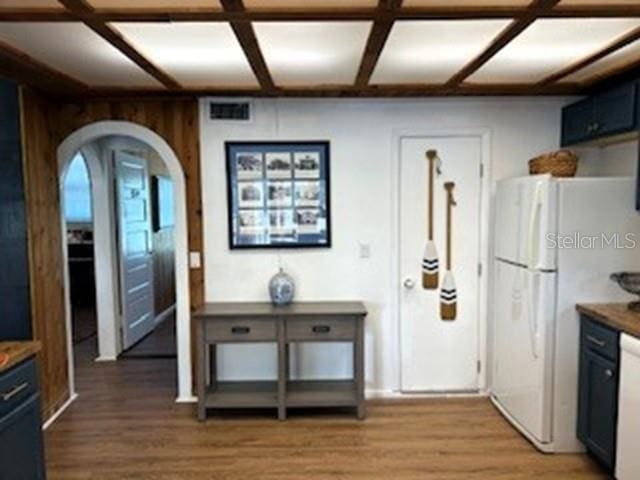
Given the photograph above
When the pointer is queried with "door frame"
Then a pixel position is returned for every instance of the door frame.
(484, 134)
(104, 247)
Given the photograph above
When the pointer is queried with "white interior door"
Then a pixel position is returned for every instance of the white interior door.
(437, 355)
(134, 241)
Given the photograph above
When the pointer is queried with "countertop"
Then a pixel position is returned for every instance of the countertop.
(14, 352)
(267, 310)
(614, 315)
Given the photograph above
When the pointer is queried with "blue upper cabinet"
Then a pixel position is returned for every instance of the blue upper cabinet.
(15, 317)
(609, 113)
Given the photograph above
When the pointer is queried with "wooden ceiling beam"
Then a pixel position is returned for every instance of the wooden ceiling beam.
(515, 28)
(377, 38)
(19, 66)
(622, 42)
(313, 14)
(398, 91)
(247, 38)
(84, 12)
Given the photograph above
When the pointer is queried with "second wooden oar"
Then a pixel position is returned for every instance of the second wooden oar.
(448, 291)
(430, 265)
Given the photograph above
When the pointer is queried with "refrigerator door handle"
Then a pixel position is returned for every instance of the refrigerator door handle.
(534, 309)
(533, 233)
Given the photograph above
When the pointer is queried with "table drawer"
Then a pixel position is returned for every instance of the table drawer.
(319, 329)
(238, 330)
(17, 384)
(599, 338)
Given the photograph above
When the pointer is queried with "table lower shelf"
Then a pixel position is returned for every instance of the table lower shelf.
(298, 394)
(321, 393)
(242, 395)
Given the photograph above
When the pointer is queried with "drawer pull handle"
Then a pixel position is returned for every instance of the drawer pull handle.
(609, 373)
(240, 330)
(6, 396)
(598, 342)
(321, 329)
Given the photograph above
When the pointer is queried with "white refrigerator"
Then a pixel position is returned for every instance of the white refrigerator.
(556, 242)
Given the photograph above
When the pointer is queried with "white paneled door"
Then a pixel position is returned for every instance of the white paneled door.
(437, 355)
(134, 242)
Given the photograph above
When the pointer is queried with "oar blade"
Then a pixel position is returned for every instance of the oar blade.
(448, 298)
(430, 267)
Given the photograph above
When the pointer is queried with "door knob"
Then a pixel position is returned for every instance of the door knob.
(409, 283)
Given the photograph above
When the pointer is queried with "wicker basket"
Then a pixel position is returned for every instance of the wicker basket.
(562, 163)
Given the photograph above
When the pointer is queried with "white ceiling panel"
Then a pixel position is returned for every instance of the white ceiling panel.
(432, 51)
(573, 3)
(74, 49)
(155, 4)
(30, 4)
(195, 54)
(313, 53)
(549, 45)
(307, 4)
(618, 59)
(465, 3)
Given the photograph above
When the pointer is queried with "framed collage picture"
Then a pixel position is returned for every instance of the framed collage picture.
(278, 194)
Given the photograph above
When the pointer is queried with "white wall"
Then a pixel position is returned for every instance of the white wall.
(361, 134)
(614, 160)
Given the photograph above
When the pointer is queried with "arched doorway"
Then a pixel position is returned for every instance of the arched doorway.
(104, 251)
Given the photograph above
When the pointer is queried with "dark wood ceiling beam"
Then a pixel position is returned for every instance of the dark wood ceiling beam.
(505, 37)
(247, 38)
(84, 12)
(301, 15)
(25, 69)
(622, 42)
(377, 39)
(398, 91)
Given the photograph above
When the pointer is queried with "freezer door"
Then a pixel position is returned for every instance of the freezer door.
(525, 217)
(524, 318)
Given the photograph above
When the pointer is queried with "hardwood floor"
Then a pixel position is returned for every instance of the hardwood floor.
(125, 425)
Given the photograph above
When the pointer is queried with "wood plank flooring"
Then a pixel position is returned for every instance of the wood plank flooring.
(125, 425)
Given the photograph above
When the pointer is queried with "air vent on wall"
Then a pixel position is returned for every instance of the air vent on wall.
(230, 111)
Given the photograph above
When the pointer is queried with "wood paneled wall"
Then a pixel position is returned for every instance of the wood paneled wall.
(164, 280)
(46, 123)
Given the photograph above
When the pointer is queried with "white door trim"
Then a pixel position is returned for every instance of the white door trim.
(105, 264)
(485, 136)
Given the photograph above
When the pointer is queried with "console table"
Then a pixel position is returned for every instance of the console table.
(221, 323)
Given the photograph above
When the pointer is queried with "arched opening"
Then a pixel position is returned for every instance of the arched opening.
(104, 221)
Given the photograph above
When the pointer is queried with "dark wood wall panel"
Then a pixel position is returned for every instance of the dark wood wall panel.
(45, 250)
(47, 123)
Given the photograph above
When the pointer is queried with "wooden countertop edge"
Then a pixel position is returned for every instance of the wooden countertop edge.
(604, 313)
(14, 352)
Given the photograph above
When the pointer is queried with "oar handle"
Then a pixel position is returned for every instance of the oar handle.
(449, 187)
(432, 156)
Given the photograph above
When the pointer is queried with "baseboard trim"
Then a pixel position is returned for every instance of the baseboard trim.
(59, 412)
(372, 394)
(105, 359)
(188, 399)
(162, 316)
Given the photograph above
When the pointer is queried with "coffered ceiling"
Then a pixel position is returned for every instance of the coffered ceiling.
(318, 47)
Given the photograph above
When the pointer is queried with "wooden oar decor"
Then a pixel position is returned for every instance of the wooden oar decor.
(430, 266)
(448, 292)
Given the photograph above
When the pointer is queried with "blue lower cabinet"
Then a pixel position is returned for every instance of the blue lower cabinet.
(21, 443)
(598, 392)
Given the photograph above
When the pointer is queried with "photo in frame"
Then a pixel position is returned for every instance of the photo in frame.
(278, 194)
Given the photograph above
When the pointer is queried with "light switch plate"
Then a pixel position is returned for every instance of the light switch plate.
(365, 250)
(195, 260)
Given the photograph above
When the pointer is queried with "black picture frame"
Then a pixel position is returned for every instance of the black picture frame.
(159, 204)
(260, 181)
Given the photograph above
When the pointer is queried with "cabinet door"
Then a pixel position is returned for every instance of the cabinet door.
(21, 449)
(598, 403)
(615, 111)
(577, 120)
